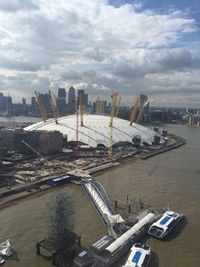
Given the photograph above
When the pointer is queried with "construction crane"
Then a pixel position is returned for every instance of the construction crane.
(53, 107)
(134, 111)
(117, 108)
(41, 107)
(34, 150)
(142, 109)
(113, 109)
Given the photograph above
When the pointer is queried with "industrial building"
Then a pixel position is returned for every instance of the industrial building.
(95, 130)
(45, 142)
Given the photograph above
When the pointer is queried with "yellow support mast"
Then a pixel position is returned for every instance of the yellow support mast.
(114, 101)
(142, 110)
(41, 107)
(81, 109)
(56, 107)
(53, 107)
(117, 108)
(134, 111)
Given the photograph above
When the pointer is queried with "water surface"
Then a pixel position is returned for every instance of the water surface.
(169, 179)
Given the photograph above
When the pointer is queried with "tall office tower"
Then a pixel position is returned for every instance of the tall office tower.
(9, 105)
(61, 101)
(83, 97)
(100, 107)
(72, 100)
(85, 100)
(81, 93)
(1, 101)
(34, 107)
(24, 101)
(24, 109)
(62, 93)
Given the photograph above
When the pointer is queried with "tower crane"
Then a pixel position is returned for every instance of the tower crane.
(34, 150)
(41, 107)
(113, 109)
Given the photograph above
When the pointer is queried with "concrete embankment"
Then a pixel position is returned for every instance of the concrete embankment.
(176, 142)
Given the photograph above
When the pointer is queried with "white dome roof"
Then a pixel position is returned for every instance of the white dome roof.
(96, 130)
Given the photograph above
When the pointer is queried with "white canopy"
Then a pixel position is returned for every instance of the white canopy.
(96, 130)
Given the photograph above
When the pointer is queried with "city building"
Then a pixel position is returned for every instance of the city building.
(82, 97)
(44, 142)
(62, 93)
(71, 100)
(34, 106)
(61, 101)
(100, 107)
(9, 106)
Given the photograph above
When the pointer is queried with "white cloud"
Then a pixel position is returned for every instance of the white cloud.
(86, 43)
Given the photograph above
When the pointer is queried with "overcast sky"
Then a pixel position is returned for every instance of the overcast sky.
(133, 47)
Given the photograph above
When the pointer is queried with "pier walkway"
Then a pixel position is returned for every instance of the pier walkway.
(114, 222)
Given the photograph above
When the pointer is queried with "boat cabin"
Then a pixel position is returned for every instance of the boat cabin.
(164, 225)
(139, 256)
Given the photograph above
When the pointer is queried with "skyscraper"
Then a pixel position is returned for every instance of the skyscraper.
(34, 106)
(9, 105)
(83, 97)
(71, 100)
(61, 100)
(100, 106)
(24, 101)
(62, 93)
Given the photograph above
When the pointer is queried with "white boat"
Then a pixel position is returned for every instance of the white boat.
(5, 248)
(139, 256)
(165, 224)
(1, 260)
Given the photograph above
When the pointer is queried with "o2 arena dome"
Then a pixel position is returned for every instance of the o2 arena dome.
(96, 130)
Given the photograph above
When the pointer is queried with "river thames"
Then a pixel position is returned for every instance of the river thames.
(169, 179)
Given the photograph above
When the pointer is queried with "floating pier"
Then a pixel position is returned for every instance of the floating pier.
(107, 251)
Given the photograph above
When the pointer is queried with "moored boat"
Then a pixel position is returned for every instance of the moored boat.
(165, 224)
(5, 248)
(139, 256)
(1, 260)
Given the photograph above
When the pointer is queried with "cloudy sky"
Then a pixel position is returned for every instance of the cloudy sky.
(133, 47)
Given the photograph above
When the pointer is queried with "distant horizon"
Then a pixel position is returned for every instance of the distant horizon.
(108, 100)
